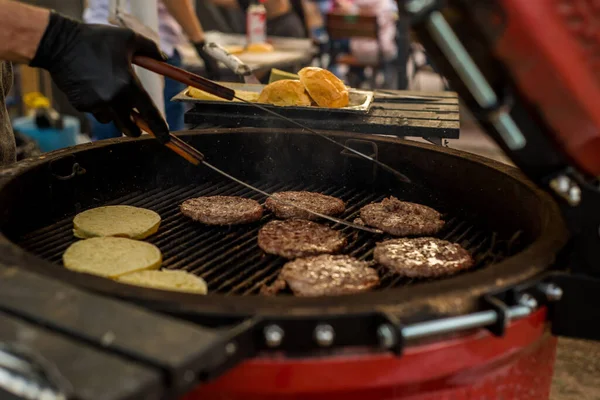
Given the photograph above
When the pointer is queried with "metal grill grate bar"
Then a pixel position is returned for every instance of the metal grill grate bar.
(229, 258)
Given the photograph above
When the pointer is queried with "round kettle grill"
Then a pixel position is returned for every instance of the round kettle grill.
(481, 332)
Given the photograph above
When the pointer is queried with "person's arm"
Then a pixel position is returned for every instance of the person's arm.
(185, 15)
(313, 16)
(21, 30)
(91, 64)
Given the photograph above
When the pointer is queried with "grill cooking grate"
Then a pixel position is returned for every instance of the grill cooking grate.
(229, 259)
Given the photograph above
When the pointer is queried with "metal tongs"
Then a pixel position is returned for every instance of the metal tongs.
(196, 157)
(232, 62)
(177, 145)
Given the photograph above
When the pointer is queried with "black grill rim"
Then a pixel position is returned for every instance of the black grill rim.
(422, 301)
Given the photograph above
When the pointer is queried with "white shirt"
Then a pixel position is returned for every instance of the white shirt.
(169, 31)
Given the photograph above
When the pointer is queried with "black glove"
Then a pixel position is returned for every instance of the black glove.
(91, 64)
(210, 64)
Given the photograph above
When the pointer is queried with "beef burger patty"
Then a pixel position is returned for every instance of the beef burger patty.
(294, 238)
(401, 218)
(325, 275)
(222, 210)
(323, 204)
(422, 257)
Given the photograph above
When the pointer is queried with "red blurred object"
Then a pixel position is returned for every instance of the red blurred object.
(475, 366)
(552, 49)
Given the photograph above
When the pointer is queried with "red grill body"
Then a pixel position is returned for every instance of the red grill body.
(476, 366)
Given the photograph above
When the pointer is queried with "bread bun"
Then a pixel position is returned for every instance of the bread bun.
(259, 48)
(111, 257)
(178, 281)
(122, 221)
(234, 49)
(326, 89)
(285, 92)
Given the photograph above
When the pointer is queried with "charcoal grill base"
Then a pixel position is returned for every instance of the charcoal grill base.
(38, 200)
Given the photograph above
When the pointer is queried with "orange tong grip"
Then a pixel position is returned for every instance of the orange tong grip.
(137, 118)
(171, 144)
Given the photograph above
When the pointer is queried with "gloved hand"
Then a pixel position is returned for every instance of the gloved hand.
(91, 64)
(210, 64)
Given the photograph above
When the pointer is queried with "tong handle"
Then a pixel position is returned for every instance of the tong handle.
(232, 62)
(177, 145)
(183, 76)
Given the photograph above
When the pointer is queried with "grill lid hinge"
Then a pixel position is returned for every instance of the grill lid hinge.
(570, 298)
(498, 309)
(498, 327)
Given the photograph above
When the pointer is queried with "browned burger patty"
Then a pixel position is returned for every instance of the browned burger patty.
(401, 218)
(317, 202)
(325, 275)
(299, 238)
(422, 257)
(222, 210)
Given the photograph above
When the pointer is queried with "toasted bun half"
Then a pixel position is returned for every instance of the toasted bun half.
(260, 48)
(111, 257)
(326, 89)
(120, 221)
(177, 281)
(285, 92)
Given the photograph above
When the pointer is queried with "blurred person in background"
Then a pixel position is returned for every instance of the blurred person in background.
(282, 18)
(325, 6)
(312, 17)
(175, 17)
(386, 11)
(368, 50)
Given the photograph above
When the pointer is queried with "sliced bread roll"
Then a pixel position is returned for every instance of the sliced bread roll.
(260, 48)
(286, 92)
(179, 281)
(234, 48)
(120, 221)
(111, 257)
(326, 89)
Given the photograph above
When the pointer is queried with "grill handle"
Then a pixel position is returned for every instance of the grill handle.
(182, 353)
(183, 76)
